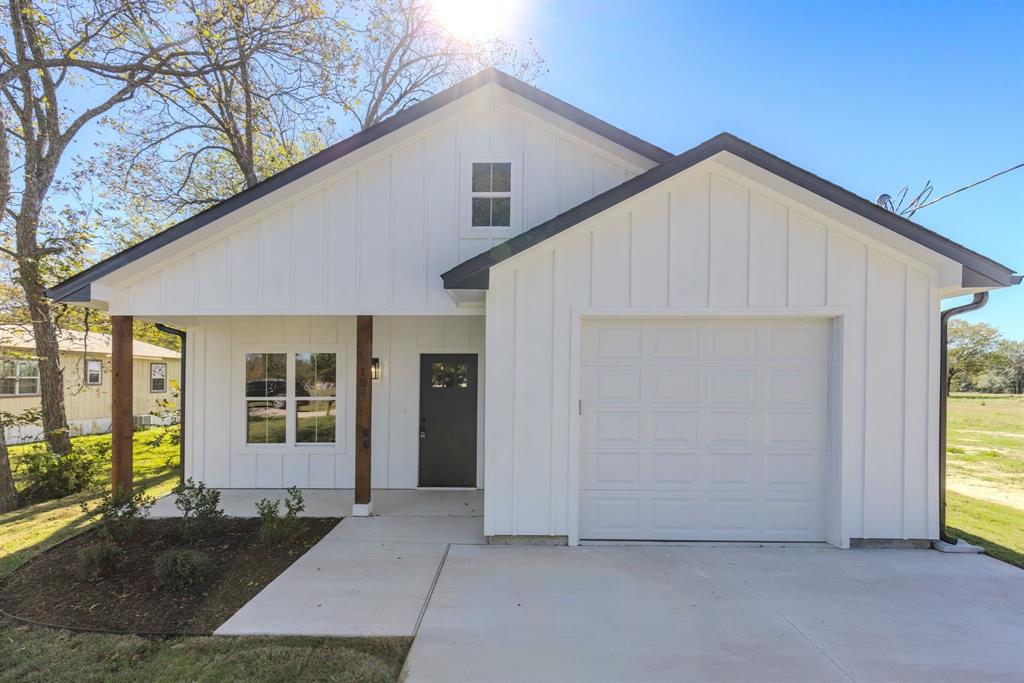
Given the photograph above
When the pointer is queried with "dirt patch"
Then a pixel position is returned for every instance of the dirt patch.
(128, 599)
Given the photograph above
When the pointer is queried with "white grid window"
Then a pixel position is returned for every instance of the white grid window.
(491, 196)
(93, 372)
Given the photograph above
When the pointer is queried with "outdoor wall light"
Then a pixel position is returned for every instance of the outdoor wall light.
(375, 369)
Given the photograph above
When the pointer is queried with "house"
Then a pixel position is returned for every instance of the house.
(86, 360)
(495, 289)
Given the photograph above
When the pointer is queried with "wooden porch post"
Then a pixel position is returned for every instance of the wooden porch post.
(364, 404)
(121, 426)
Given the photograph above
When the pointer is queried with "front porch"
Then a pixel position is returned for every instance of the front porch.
(338, 503)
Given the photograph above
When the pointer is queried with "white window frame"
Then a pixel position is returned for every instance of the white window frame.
(88, 362)
(19, 363)
(290, 399)
(167, 378)
(466, 196)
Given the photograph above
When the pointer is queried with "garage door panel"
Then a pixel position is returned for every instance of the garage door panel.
(803, 429)
(794, 386)
(704, 430)
(733, 427)
(673, 427)
(674, 342)
(676, 385)
(735, 470)
(617, 385)
(675, 470)
(611, 343)
(792, 471)
(797, 343)
(731, 386)
(613, 428)
(732, 342)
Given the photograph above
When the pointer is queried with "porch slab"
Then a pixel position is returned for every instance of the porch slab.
(338, 502)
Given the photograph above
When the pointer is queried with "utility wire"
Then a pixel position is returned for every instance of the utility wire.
(967, 187)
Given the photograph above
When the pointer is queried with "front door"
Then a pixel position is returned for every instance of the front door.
(448, 420)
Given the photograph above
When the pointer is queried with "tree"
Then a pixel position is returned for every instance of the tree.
(969, 349)
(8, 493)
(192, 142)
(1005, 371)
(97, 53)
(405, 55)
(266, 74)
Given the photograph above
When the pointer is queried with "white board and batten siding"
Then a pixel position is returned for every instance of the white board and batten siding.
(711, 244)
(374, 235)
(216, 452)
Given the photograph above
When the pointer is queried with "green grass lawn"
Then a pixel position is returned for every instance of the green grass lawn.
(35, 528)
(31, 654)
(986, 473)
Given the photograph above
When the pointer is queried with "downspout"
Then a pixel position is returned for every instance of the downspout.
(980, 299)
(181, 398)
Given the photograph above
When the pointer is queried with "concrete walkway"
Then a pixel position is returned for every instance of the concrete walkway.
(719, 614)
(370, 576)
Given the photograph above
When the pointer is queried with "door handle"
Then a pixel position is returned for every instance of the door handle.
(423, 433)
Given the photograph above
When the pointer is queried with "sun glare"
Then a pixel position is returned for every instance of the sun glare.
(475, 19)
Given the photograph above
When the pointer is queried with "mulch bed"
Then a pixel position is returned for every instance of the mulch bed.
(128, 599)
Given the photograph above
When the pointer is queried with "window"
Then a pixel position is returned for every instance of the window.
(157, 378)
(491, 195)
(291, 398)
(449, 376)
(93, 372)
(19, 377)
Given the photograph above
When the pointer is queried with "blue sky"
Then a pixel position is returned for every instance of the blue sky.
(871, 96)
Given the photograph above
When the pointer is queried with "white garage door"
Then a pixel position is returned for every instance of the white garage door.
(704, 430)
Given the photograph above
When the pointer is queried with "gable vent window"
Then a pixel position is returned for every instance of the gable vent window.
(492, 195)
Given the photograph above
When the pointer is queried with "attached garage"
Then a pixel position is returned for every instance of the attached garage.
(704, 429)
(724, 348)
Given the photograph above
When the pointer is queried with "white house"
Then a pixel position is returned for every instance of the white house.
(612, 341)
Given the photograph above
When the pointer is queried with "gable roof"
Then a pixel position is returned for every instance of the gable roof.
(20, 337)
(979, 271)
(76, 288)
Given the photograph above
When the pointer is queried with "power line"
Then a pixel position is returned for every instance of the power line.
(967, 187)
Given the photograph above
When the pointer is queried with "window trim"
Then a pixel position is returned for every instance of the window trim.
(85, 372)
(18, 377)
(240, 401)
(466, 195)
(151, 378)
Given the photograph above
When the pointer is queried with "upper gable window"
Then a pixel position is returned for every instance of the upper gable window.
(491, 196)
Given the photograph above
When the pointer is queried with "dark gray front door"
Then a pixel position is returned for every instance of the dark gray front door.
(448, 419)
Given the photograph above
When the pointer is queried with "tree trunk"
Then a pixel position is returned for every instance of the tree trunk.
(8, 494)
(51, 376)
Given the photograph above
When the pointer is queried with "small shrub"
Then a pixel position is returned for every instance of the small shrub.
(273, 527)
(180, 569)
(54, 476)
(95, 560)
(121, 514)
(201, 514)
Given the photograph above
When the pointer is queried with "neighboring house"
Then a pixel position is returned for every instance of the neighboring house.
(613, 341)
(86, 363)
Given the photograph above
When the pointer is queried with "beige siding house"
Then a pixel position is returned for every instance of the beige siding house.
(86, 363)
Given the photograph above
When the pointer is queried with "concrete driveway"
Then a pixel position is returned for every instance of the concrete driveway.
(513, 613)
